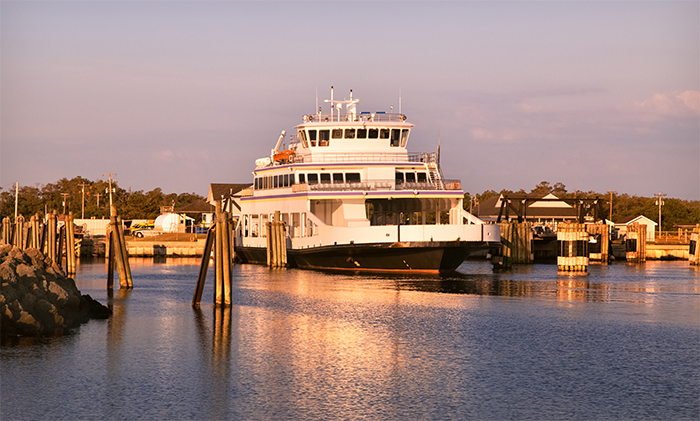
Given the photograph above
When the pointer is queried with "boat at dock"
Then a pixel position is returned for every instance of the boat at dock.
(352, 197)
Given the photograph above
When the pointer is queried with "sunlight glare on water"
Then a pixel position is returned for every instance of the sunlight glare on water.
(619, 342)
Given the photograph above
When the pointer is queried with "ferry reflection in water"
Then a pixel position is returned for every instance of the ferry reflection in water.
(620, 342)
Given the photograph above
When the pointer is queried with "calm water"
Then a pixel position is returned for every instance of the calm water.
(620, 343)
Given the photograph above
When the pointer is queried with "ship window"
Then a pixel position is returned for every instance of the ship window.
(286, 180)
(337, 134)
(291, 179)
(302, 178)
(274, 182)
(395, 134)
(323, 137)
(422, 177)
(312, 137)
(373, 133)
(404, 137)
(302, 135)
(361, 133)
(410, 177)
(313, 178)
(384, 133)
(337, 178)
(257, 184)
(399, 177)
(325, 179)
(349, 133)
(352, 177)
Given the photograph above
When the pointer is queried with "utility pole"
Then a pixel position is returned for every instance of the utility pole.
(82, 188)
(98, 198)
(611, 200)
(65, 195)
(660, 202)
(16, 198)
(110, 191)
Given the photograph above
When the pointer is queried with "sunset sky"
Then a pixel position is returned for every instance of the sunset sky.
(597, 95)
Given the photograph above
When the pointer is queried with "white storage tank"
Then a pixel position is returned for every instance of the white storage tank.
(169, 222)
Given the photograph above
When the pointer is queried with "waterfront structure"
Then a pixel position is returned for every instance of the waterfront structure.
(622, 225)
(537, 209)
(352, 197)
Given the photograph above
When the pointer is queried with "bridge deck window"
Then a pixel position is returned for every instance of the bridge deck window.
(313, 178)
(361, 133)
(324, 137)
(349, 133)
(337, 134)
(325, 179)
(312, 137)
(373, 133)
(337, 178)
(395, 136)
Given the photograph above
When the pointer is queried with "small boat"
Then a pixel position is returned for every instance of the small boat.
(353, 198)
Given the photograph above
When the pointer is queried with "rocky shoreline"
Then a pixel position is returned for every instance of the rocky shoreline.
(38, 299)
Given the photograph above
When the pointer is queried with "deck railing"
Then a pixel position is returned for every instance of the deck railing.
(345, 157)
(379, 185)
(359, 117)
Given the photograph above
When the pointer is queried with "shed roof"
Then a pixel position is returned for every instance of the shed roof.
(219, 190)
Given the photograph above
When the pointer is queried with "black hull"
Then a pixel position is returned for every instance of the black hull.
(397, 257)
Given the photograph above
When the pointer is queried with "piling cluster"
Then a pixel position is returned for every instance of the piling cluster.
(117, 254)
(276, 243)
(219, 246)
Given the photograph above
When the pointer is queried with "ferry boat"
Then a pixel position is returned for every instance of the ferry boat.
(353, 198)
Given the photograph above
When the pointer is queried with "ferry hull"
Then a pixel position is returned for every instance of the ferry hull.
(428, 257)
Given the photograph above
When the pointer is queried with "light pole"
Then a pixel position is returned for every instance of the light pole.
(611, 200)
(65, 195)
(110, 191)
(82, 214)
(660, 202)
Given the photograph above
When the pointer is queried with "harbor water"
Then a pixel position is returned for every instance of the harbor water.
(621, 342)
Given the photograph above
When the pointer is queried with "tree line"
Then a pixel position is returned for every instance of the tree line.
(674, 212)
(67, 196)
(91, 198)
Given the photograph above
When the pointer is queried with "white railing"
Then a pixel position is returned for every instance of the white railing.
(379, 185)
(349, 117)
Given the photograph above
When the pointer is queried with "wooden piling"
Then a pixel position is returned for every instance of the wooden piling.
(600, 250)
(226, 260)
(636, 243)
(6, 231)
(204, 266)
(35, 237)
(70, 244)
(572, 242)
(276, 242)
(218, 258)
(59, 249)
(125, 253)
(516, 245)
(19, 232)
(110, 258)
(51, 237)
(119, 252)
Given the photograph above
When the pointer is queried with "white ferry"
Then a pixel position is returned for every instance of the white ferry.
(352, 198)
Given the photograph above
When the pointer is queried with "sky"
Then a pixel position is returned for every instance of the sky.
(597, 95)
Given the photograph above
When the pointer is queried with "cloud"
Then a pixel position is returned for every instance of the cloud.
(681, 104)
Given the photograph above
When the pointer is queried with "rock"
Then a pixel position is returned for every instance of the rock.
(37, 299)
